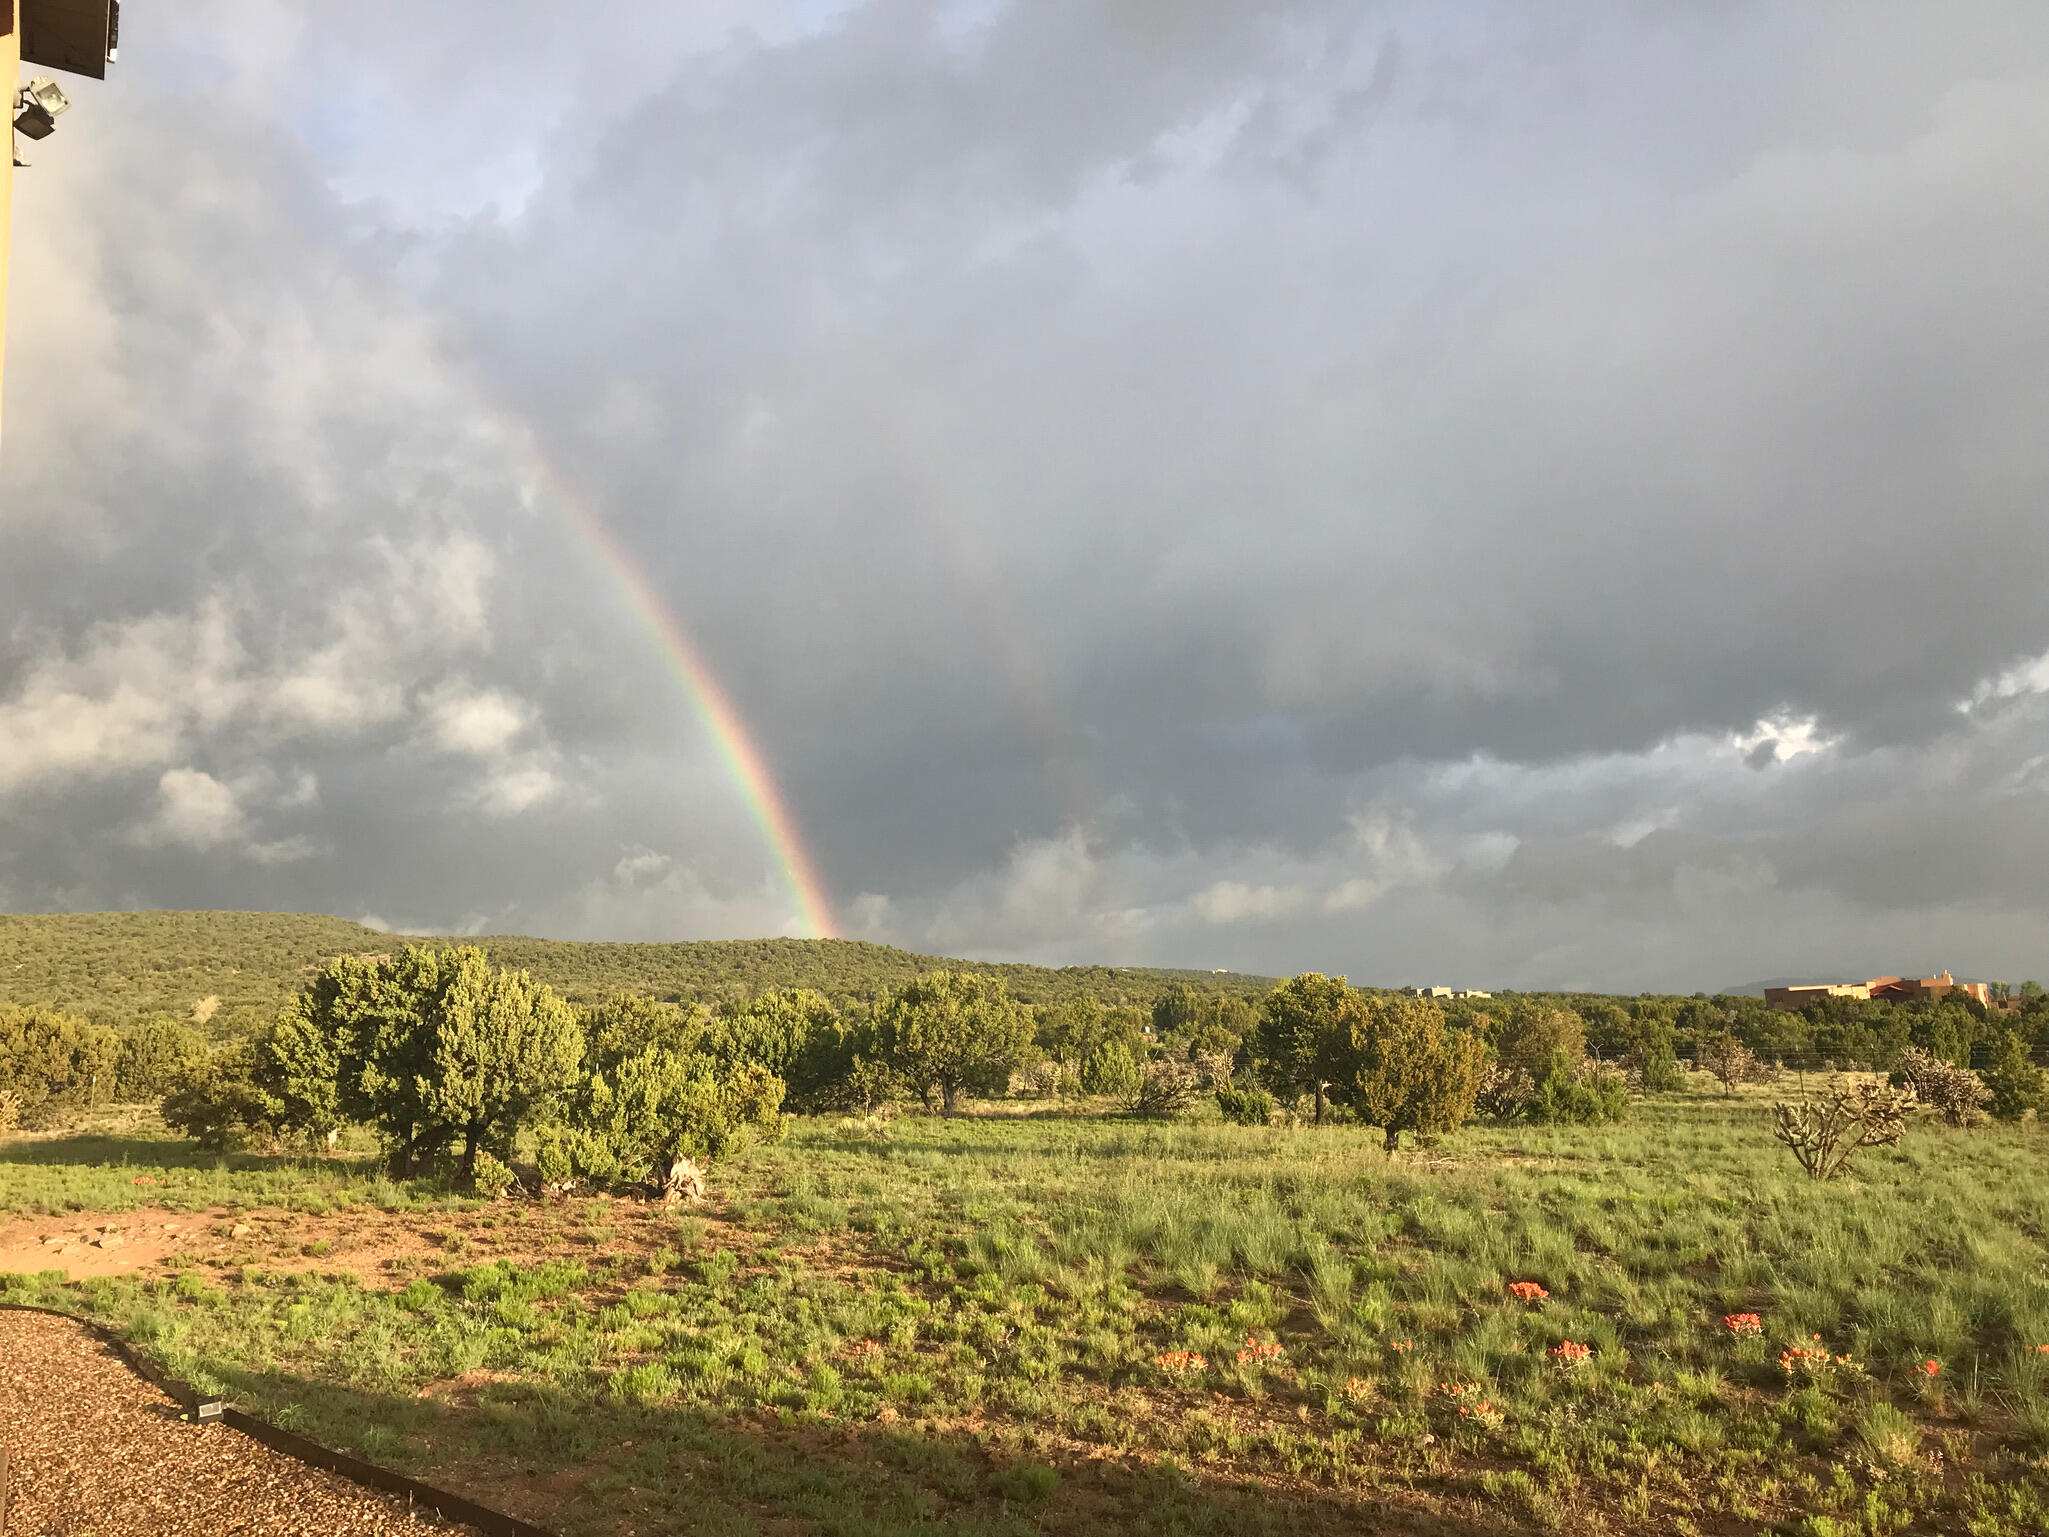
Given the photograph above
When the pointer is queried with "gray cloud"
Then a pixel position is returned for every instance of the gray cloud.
(1527, 497)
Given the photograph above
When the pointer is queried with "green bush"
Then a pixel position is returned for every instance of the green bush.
(219, 1103)
(947, 1033)
(1246, 1107)
(51, 1061)
(152, 1060)
(1592, 1097)
(2016, 1084)
(491, 1177)
(652, 1094)
(1110, 1069)
(1413, 1073)
(1032, 1484)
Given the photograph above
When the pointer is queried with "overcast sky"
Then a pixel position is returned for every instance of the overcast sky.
(1528, 495)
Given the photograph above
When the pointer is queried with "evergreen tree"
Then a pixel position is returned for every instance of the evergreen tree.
(1412, 1073)
(2017, 1085)
(1305, 1042)
(656, 1093)
(773, 1030)
(947, 1032)
(51, 1060)
(504, 1050)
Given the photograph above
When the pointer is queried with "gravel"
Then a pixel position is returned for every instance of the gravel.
(96, 1451)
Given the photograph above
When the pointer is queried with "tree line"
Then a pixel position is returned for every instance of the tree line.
(460, 1063)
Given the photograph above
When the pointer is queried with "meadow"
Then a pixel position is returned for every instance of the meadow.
(1072, 1321)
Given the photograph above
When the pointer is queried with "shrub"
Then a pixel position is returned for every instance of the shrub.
(1504, 1093)
(152, 1060)
(652, 1104)
(1529, 1036)
(51, 1061)
(1588, 1096)
(491, 1177)
(1164, 1088)
(1246, 1107)
(1031, 1484)
(218, 1102)
(1654, 1065)
(1721, 1053)
(1825, 1135)
(1042, 1080)
(1956, 1094)
(1109, 1069)
(2013, 1084)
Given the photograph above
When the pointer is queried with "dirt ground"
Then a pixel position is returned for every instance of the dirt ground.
(151, 1240)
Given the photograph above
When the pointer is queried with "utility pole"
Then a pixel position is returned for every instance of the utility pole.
(77, 36)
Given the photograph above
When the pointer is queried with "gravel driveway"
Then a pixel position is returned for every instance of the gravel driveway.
(98, 1452)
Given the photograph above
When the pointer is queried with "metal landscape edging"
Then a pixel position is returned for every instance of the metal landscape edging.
(453, 1507)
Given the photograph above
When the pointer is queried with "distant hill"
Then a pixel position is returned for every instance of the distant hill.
(121, 968)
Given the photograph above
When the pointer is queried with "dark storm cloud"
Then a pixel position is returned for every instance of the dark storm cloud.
(1511, 493)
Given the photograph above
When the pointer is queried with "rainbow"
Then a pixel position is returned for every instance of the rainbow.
(721, 720)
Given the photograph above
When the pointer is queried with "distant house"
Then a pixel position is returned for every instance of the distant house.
(1893, 989)
(1445, 992)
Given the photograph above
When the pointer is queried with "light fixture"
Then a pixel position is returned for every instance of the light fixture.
(41, 102)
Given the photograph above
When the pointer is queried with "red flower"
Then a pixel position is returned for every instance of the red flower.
(1527, 1291)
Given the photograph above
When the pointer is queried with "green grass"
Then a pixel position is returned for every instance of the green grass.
(958, 1330)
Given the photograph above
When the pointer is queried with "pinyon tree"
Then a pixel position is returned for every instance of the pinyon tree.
(946, 1033)
(1305, 1040)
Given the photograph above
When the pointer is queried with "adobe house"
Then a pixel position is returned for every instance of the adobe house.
(1892, 989)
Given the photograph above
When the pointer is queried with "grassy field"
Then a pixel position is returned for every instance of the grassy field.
(1076, 1323)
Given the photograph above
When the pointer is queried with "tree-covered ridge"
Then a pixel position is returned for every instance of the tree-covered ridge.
(122, 968)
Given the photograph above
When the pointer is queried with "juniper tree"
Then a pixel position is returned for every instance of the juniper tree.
(947, 1032)
(1412, 1073)
(2014, 1084)
(502, 1050)
(658, 1096)
(428, 1046)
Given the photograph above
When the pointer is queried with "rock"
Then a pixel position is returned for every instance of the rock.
(240, 1230)
(109, 1241)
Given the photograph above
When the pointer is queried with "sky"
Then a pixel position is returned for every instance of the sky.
(1509, 495)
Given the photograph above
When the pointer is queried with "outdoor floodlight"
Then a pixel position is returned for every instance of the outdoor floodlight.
(41, 102)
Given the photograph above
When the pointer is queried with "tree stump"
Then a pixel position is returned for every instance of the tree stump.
(685, 1182)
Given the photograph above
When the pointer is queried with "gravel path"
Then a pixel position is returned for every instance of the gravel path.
(98, 1452)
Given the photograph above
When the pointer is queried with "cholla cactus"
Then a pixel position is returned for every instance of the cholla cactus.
(1826, 1134)
(1164, 1088)
(1955, 1093)
(1214, 1067)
